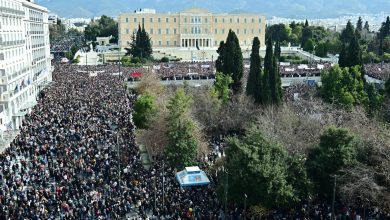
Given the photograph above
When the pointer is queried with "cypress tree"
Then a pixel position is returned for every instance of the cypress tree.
(367, 26)
(351, 53)
(268, 63)
(278, 50)
(276, 87)
(229, 61)
(306, 23)
(253, 86)
(359, 24)
(219, 63)
(354, 53)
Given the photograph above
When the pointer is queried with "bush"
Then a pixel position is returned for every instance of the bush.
(135, 60)
(165, 59)
(144, 109)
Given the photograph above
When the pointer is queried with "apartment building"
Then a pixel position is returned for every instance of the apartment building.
(25, 63)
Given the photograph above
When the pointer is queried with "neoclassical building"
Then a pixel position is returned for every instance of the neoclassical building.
(193, 28)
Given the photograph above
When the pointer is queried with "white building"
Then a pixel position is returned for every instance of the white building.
(25, 63)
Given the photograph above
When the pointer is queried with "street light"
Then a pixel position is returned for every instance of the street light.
(333, 197)
(245, 197)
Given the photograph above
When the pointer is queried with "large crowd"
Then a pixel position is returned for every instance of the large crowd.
(70, 162)
(76, 158)
(378, 70)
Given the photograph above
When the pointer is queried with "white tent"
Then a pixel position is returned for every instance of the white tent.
(192, 176)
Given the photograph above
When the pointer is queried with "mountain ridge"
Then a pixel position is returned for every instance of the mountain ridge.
(280, 8)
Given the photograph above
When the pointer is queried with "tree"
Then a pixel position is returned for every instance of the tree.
(351, 53)
(221, 86)
(253, 86)
(219, 63)
(183, 146)
(343, 86)
(322, 49)
(278, 50)
(144, 109)
(140, 46)
(229, 61)
(367, 26)
(262, 170)
(309, 45)
(359, 24)
(275, 83)
(337, 149)
(102, 27)
(268, 68)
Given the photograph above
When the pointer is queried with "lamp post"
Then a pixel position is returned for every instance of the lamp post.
(333, 197)
(245, 197)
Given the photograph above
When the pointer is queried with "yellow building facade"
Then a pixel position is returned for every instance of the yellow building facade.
(194, 28)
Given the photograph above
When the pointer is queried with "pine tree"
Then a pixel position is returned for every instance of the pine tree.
(306, 23)
(306, 34)
(359, 24)
(253, 86)
(268, 63)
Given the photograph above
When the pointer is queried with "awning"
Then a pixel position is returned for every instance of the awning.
(192, 176)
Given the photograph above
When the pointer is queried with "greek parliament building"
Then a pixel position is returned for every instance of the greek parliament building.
(25, 63)
(196, 28)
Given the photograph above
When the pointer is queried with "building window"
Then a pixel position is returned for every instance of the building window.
(151, 20)
(127, 20)
(127, 31)
(238, 31)
(151, 42)
(185, 20)
(205, 20)
(143, 20)
(166, 20)
(174, 43)
(259, 20)
(244, 20)
(244, 31)
(253, 31)
(231, 20)
(215, 20)
(174, 20)
(216, 31)
(185, 30)
(253, 20)
(167, 42)
(259, 31)
(159, 31)
(205, 30)
(135, 20)
(223, 31)
(238, 20)
(159, 43)
(159, 20)
(174, 31)
(167, 31)
(151, 31)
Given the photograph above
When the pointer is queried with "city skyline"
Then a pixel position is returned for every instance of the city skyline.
(282, 8)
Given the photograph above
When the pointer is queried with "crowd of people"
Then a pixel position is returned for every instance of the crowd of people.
(378, 70)
(76, 158)
(70, 162)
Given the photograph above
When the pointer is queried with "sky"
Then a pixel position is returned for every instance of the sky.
(281, 8)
